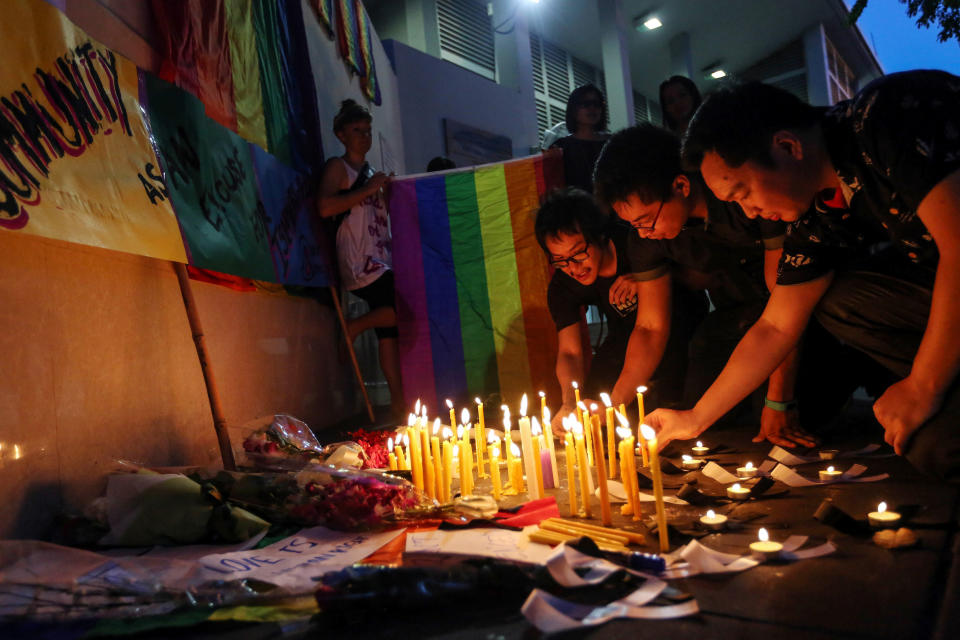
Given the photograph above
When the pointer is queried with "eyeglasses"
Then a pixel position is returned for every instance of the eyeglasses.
(649, 227)
(576, 258)
(591, 103)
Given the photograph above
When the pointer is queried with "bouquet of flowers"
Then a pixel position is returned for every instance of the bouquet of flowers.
(374, 445)
(288, 444)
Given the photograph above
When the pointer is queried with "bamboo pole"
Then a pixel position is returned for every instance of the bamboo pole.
(353, 354)
(219, 423)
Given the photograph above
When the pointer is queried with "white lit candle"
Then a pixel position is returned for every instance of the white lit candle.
(737, 492)
(829, 474)
(713, 521)
(689, 462)
(764, 546)
(747, 471)
(700, 450)
(883, 519)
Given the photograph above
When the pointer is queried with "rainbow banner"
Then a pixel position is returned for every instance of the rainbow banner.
(471, 281)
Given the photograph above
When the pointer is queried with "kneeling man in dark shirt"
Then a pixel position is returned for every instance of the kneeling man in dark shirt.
(883, 166)
(588, 249)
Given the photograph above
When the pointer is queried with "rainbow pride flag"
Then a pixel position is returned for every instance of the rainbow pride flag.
(471, 282)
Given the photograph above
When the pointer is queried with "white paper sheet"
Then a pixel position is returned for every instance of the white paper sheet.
(791, 478)
(782, 455)
(718, 473)
(500, 544)
(293, 562)
(619, 494)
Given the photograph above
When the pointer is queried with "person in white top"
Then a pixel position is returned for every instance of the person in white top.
(352, 193)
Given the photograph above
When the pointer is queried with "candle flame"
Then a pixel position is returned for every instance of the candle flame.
(750, 466)
(506, 423)
(641, 389)
(406, 439)
(436, 426)
(411, 420)
(477, 400)
(622, 419)
(546, 415)
(390, 444)
(699, 444)
(606, 399)
(447, 433)
(829, 469)
(574, 383)
(881, 507)
(523, 405)
(648, 432)
(17, 454)
(577, 428)
(515, 450)
(449, 404)
(711, 514)
(566, 423)
(465, 416)
(416, 407)
(623, 433)
(495, 451)
(583, 407)
(686, 457)
(736, 486)
(459, 432)
(593, 407)
(423, 412)
(535, 429)
(763, 535)
(541, 394)
(493, 437)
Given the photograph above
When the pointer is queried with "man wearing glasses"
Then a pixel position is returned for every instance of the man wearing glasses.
(683, 231)
(588, 249)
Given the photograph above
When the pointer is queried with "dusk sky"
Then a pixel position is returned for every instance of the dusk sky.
(900, 44)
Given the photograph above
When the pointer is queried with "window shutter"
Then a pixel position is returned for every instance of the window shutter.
(466, 36)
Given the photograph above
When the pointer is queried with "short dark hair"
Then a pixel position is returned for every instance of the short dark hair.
(573, 103)
(738, 122)
(571, 210)
(349, 113)
(643, 160)
(691, 88)
(440, 163)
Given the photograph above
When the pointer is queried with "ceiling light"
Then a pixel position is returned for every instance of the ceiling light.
(652, 23)
(719, 73)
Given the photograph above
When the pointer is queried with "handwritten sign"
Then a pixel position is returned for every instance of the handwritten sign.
(500, 544)
(294, 562)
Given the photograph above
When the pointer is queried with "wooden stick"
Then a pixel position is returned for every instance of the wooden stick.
(219, 422)
(637, 538)
(353, 354)
(556, 527)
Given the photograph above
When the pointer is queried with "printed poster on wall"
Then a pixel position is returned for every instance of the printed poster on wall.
(77, 163)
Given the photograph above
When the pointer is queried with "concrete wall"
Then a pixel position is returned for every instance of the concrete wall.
(431, 89)
(96, 355)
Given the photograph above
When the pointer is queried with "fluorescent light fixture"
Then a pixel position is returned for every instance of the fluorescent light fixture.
(719, 73)
(652, 23)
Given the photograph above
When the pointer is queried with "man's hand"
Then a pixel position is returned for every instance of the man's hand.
(556, 423)
(623, 290)
(673, 425)
(783, 428)
(901, 409)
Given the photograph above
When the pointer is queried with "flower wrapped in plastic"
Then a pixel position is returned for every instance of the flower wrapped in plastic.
(335, 497)
(288, 444)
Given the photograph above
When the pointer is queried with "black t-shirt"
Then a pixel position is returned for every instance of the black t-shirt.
(579, 157)
(890, 145)
(727, 249)
(566, 297)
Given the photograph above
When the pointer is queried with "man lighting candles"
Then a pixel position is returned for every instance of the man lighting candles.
(883, 166)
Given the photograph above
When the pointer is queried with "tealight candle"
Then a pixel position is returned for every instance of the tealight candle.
(713, 521)
(690, 463)
(764, 546)
(828, 454)
(737, 492)
(829, 474)
(883, 519)
(700, 450)
(747, 471)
